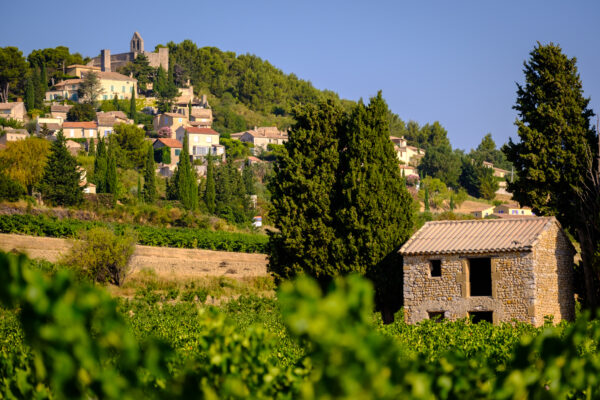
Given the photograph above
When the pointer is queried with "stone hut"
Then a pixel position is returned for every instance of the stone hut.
(494, 270)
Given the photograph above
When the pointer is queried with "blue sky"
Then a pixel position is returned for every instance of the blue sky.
(451, 61)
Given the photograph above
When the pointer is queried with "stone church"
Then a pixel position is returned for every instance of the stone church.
(112, 62)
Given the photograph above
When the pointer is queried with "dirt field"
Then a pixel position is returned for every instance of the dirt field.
(165, 261)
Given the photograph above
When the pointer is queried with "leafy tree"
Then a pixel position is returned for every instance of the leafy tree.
(55, 60)
(100, 167)
(130, 145)
(187, 188)
(555, 157)
(10, 189)
(25, 161)
(12, 70)
(209, 193)
(149, 192)
(302, 197)
(165, 132)
(235, 149)
(132, 110)
(81, 112)
(90, 88)
(441, 162)
(60, 183)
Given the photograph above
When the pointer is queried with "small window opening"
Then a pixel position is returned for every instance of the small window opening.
(437, 316)
(480, 276)
(435, 267)
(478, 316)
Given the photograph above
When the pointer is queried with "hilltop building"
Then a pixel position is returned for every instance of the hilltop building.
(108, 62)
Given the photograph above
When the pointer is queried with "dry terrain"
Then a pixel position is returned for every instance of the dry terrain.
(164, 261)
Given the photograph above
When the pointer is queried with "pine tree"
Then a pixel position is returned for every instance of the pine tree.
(30, 94)
(92, 147)
(186, 179)
(60, 183)
(302, 196)
(149, 193)
(132, 110)
(374, 215)
(209, 194)
(100, 167)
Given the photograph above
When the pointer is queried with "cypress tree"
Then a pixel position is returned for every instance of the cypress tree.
(60, 183)
(39, 91)
(132, 111)
(186, 179)
(374, 214)
(30, 93)
(139, 188)
(111, 171)
(209, 193)
(149, 193)
(116, 104)
(302, 196)
(92, 147)
(248, 179)
(426, 201)
(452, 205)
(100, 164)
(42, 87)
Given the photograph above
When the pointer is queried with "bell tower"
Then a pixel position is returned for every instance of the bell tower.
(137, 43)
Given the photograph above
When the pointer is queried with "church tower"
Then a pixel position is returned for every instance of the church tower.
(137, 44)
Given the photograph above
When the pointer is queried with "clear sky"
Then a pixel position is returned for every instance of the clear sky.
(451, 61)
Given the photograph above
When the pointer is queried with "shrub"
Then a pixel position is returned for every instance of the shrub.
(102, 255)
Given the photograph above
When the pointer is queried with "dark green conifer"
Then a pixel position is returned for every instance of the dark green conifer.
(132, 110)
(100, 164)
(111, 171)
(426, 200)
(30, 93)
(209, 194)
(60, 183)
(149, 192)
(92, 147)
(187, 187)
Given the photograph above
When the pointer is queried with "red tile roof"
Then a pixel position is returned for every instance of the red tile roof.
(172, 143)
(205, 131)
(80, 124)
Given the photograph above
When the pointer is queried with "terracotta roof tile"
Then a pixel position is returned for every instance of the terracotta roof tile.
(204, 131)
(80, 124)
(477, 236)
(172, 143)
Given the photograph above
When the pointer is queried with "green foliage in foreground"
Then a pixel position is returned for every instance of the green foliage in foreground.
(73, 343)
(41, 225)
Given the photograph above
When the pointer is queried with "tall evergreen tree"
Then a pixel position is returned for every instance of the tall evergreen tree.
(92, 147)
(60, 184)
(116, 103)
(555, 159)
(100, 166)
(248, 179)
(374, 214)
(149, 192)
(39, 90)
(132, 110)
(302, 196)
(111, 171)
(43, 80)
(209, 194)
(426, 200)
(186, 178)
(30, 93)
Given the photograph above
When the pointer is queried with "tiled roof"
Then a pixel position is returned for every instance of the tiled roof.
(68, 82)
(117, 114)
(205, 131)
(172, 143)
(80, 124)
(115, 76)
(60, 108)
(477, 236)
(106, 120)
(82, 66)
(175, 115)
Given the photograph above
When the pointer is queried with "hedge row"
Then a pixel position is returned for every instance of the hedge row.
(41, 225)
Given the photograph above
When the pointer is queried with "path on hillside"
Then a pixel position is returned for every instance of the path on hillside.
(165, 261)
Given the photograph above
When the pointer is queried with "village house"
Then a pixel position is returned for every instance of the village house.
(14, 110)
(174, 148)
(173, 121)
(498, 172)
(409, 155)
(81, 129)
(13, 135)
(406, 170)
(107, 121)
(202, 142)
(53, 125)
(59, 111)
(496, 270)
(261, 137)
(484, 211)
(112, 83)
(74, 148)
(512, 210)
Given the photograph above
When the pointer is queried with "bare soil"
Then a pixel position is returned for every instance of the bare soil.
(164, 261)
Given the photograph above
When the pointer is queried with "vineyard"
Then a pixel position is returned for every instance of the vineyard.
(60, 338)
(41, 225)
